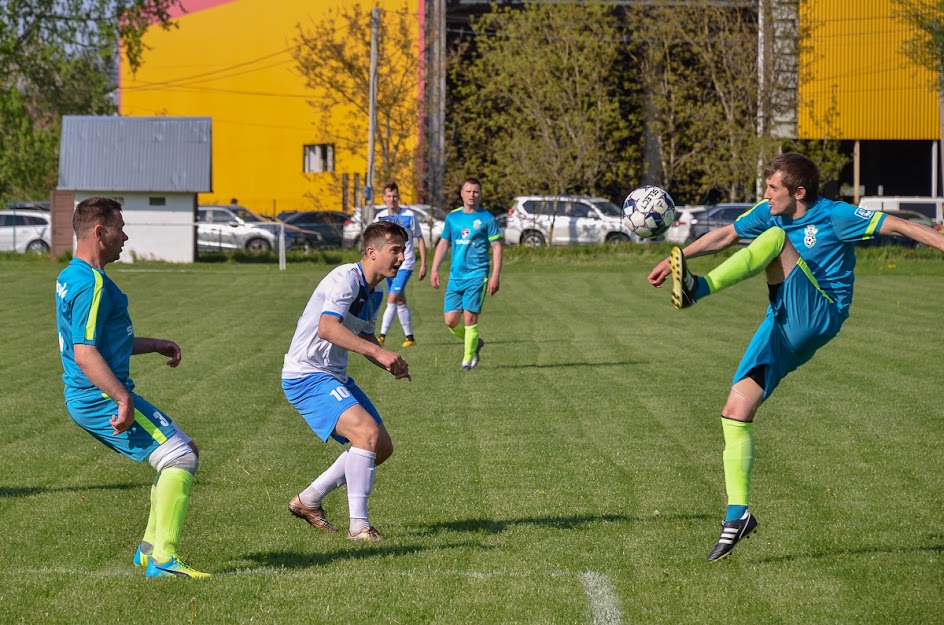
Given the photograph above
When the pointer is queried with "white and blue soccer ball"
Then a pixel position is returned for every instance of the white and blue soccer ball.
(648, 211)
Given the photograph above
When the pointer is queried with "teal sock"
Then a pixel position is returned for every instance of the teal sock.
(734, 513)
(701, 288)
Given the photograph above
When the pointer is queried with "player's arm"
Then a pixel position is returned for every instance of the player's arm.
(332, 330)
(714, 241)
(493, 281)
(93, 365)
(422, 250)
(438, 257)
(160, 346)
(896, 226)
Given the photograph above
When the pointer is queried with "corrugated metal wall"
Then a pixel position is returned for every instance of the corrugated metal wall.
(856, 82)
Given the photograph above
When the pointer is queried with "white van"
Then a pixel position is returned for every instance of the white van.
(932, 207)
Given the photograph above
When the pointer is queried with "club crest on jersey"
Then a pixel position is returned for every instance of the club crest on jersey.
(864, 213)
(477, 224)
(809, 236)
(465, 233)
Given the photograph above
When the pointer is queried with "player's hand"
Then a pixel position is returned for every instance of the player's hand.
(434, 279)
(493, 285)
(660, 273)
(401, 370)
(169, 349)
(125, 417)
(422, 271)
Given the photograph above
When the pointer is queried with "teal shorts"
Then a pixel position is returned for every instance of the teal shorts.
(800, 319)
(151, 428)
(465, 294)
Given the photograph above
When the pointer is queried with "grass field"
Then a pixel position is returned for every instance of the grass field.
(574, 477)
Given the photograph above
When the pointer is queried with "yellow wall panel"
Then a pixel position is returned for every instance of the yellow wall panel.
(856, 82)
(232, 61)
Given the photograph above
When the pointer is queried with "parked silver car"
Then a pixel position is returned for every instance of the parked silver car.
(575, 219)
(25, 231)
(234, 227)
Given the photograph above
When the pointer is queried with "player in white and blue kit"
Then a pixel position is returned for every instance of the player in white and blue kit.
(340, 317)
(804, 244)
(96, 342)
(471, 231)
(397, 306)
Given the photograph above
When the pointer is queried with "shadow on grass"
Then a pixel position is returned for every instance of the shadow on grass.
(298, 560)
(26, 491)
(836, 553)
(552, 365)
(495, 526)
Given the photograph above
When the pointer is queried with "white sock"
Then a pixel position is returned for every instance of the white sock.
(359, 470)
(389, 314)
(406, 319)
(325, 483)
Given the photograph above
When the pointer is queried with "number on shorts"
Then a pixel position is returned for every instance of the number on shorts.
(340, 393)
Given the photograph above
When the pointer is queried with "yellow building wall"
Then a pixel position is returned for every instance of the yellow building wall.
(232, 61)
(855, 81)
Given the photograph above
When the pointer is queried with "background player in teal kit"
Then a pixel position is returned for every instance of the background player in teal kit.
(804, 244)
(471, 231)
(96, 341)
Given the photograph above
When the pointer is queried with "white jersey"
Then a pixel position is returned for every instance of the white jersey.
(343, 293)
(411, 223)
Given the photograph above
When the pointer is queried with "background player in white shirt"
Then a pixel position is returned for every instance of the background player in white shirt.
(396, 287)
(340, 317)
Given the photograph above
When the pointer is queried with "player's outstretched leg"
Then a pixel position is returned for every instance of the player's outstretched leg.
(307, 504)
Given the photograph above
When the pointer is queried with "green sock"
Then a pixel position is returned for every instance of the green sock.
(471, 342)
(459, 330)
(172, 501)
(738, 459)
(152, 516)
(747, 262)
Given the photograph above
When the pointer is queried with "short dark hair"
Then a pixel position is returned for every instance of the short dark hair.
(92, 212)
(391, 186)
(380, 232)
(797, 171)
(474, 181)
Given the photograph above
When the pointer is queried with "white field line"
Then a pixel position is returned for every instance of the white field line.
(602, 596)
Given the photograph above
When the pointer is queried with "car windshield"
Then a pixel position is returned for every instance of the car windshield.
(247, 215)
(609, 209)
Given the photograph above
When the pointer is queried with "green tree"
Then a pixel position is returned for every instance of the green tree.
(55, 59)
(536, 105)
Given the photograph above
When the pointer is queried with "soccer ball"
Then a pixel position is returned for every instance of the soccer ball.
(648, 211)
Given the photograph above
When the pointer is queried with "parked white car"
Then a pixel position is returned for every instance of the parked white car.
(577, 219)
(25, 231)
(680, 232)
(233, 227)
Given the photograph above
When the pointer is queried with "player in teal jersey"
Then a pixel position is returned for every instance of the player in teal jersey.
(804, 244)
(96, 341)
(471, 231)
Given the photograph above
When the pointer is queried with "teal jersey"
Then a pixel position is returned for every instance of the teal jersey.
(824, 237)
(471, 236)
(92, 310)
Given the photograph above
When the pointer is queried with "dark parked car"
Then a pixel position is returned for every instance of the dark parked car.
(329, 224)
(881, 239)
(717, 216)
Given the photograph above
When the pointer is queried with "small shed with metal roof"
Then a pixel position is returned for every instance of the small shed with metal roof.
(154, 166)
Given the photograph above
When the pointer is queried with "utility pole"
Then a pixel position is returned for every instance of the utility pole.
(368, 211)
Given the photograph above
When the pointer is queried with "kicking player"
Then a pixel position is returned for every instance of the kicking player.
(340, 317)
(471, 230)
(96, 341)
(396, 287)
(804, 244)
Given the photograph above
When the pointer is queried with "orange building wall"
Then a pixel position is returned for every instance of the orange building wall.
(856, 63)
(231, 60)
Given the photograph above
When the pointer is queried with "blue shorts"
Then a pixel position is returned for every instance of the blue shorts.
(466, 294)
(398, 285)
(800, 319)
(151, 427)
(321, 400)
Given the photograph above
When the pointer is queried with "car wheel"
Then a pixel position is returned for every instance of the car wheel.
(617, 238)
(532, 239)
(257, 245)
(37, 247)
